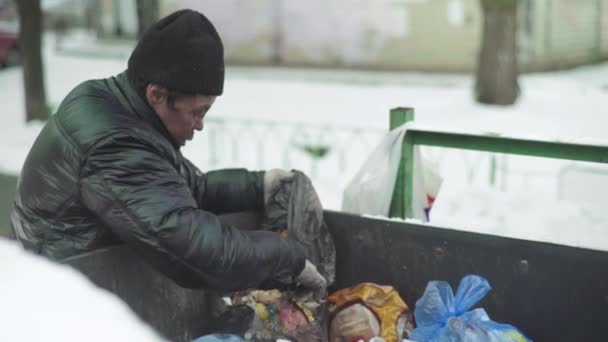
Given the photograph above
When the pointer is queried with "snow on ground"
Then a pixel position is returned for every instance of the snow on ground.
(525, 216)
(527, 199)
(50, 302)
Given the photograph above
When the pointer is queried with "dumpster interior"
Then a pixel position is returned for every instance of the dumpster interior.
(528, 283)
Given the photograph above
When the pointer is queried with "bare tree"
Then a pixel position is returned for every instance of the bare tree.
(147, 14)
(30, 44)
(277, 35)
(496, 80)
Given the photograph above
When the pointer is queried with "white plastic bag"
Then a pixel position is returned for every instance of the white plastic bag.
(427, 182)
(371, 190)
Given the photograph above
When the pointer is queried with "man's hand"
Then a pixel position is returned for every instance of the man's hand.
(311, 278)
(272, 181)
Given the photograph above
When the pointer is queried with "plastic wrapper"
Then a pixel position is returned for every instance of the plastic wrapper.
(354, 322)
(294, 210)
(367, 311)
(219, 338)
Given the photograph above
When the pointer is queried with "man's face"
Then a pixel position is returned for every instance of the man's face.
(183, 116)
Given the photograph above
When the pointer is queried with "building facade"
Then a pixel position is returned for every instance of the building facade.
(433, 35)
(437, 35)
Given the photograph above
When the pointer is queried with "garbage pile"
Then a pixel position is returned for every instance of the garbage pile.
(370, 312)
(287, 315)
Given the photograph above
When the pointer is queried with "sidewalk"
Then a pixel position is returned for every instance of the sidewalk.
(86, 44)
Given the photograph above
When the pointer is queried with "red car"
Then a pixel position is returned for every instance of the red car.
(9, 49)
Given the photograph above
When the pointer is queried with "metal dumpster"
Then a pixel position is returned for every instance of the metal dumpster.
(550, 292)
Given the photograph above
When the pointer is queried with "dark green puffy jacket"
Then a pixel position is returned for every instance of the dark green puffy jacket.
(104, 169)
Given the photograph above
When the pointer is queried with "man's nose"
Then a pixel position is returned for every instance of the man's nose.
(198, 125)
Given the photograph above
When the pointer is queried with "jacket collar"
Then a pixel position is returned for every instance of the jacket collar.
(140, 107)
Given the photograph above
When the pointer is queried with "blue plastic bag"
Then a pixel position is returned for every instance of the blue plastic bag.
(219, 338)
(442, 317)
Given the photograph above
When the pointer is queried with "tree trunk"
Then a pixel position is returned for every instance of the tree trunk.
(496, 79)
(277, 38)
(147, 14)
(92, 21)
(30, 44)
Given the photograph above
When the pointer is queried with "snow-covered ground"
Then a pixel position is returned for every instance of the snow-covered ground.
(51, 302)
(531, 198)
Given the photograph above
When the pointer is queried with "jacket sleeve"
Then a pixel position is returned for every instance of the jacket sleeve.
(226, 191)
(143, 200)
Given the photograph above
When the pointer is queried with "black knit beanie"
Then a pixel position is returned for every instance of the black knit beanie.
(181, 52)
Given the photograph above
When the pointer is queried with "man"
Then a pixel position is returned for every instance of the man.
(107, 167)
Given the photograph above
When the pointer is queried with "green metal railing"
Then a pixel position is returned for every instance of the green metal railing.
(401, 205)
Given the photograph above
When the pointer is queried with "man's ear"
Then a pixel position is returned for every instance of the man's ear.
(155, 94)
